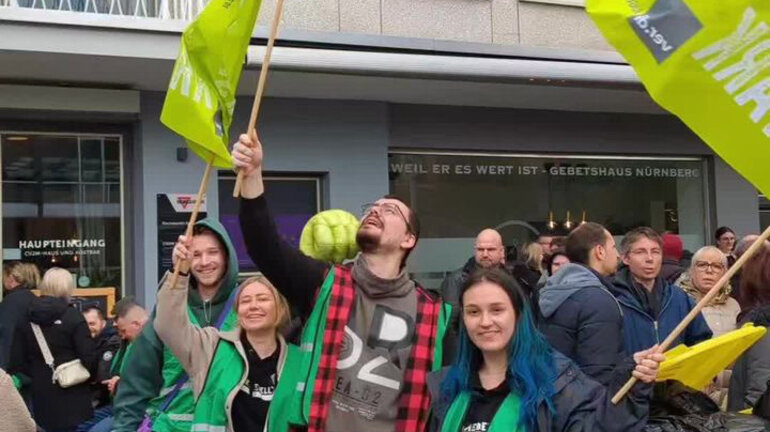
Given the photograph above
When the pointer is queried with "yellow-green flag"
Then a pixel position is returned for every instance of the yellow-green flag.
(201, 95)
(706, 61)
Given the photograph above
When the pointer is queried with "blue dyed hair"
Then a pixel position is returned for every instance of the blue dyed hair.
(531, 373)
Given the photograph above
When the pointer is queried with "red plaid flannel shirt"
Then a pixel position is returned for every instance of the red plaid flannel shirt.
(414, 401)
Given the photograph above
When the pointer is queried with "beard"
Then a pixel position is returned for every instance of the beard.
(367, 242)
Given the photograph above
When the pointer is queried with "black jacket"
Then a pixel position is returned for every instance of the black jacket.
(107, 345)
(450, 293)
(580, 403)
(68, 338)
(13, 311)
(751, 371)
(583, 320)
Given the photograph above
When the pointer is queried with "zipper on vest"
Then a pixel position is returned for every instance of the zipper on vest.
(657, 334)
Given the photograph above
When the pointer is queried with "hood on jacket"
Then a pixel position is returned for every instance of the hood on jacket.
(231, 274)
(567, 281)
(46, 310)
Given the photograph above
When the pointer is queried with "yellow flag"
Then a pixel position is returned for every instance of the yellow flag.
(706, 61)
(697, 366)
(200, 100)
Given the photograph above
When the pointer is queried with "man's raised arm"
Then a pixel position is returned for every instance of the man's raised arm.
(296, 275)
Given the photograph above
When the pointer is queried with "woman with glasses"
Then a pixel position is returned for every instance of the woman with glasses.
(708, 265)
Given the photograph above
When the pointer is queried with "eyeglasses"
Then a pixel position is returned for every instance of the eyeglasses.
(704, 265)
(387, 209)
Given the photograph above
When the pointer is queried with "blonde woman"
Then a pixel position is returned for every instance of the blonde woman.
(533, 255)
(68, 338)
(708, 265)
(234, 373)
(18, 279)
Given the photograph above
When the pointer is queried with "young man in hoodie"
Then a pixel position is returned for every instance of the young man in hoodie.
(372, 353)
(652, 306)
(151, 370)
(489, 252)
(579, 314)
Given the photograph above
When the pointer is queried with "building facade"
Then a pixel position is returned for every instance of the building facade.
(511, 114)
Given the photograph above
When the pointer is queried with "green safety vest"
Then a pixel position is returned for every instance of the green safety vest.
(506, 419)
(179, 414)
(226, 375)
(309, 353)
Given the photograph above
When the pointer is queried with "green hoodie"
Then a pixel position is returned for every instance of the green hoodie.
(151, 370)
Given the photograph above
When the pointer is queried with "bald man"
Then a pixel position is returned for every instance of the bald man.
(490, 252)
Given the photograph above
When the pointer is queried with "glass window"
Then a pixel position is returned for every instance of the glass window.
(292, 200)
(62, 204)
(458, 195)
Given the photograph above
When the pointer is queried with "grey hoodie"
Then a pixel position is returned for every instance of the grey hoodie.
(568, 280)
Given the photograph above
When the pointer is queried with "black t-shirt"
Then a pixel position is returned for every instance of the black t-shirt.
(253, 399)
(483, 407)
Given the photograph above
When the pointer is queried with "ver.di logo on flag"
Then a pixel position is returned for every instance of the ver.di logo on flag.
(666, 27)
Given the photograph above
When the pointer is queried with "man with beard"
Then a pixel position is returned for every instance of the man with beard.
(370, 331)
(107, 345)
(489, 252)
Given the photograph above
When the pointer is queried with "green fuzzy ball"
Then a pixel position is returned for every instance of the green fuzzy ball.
(330, 236)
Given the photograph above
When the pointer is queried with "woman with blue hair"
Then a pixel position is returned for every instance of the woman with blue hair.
(508, 378)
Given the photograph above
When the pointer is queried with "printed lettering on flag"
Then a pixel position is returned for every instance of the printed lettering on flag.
(706, 62)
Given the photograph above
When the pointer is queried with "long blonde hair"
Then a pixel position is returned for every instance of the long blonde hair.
(283, 313)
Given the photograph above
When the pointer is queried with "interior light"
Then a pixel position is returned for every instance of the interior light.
(568, 224)
(551, 223)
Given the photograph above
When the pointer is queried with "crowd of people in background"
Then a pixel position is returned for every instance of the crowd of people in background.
(537, 337)
(51, 323)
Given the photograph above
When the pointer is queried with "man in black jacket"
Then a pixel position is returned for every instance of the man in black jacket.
(107, 345)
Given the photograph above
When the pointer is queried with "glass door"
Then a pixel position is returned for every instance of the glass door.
(62, 204)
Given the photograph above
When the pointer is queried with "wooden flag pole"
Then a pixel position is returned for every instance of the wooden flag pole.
(184, 265)
(251, 130)
(701, 304)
